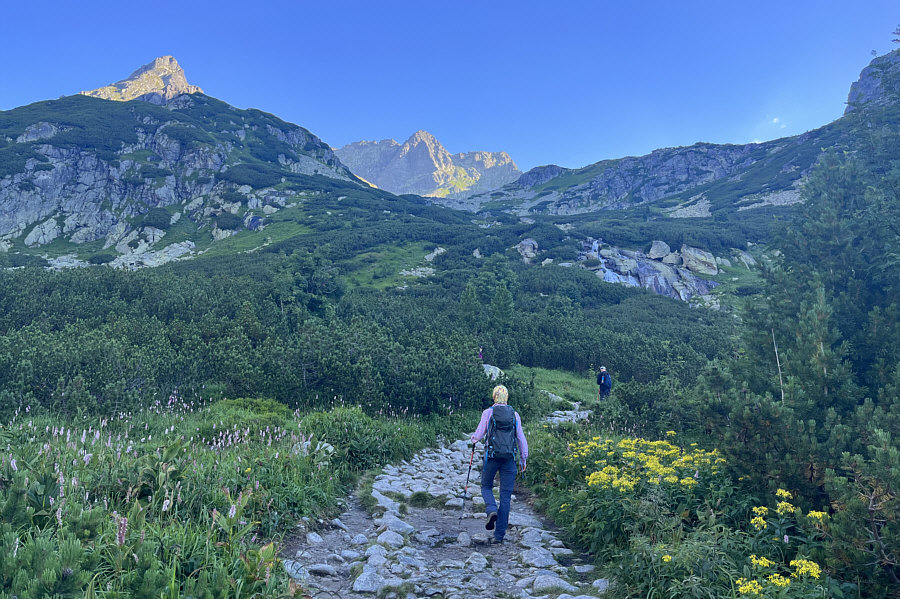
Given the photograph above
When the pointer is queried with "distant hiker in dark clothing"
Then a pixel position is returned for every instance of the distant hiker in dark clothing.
(605, 382)
(480, 354)
(505, 444)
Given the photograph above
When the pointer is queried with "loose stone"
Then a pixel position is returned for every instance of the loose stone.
(543, 584)
(322, 570)
(391, 539)
(314, 538)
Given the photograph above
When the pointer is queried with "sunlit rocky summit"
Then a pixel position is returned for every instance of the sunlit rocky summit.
(421, 165)
(156, 82)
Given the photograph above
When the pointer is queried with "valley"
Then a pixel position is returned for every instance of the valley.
(223, 341)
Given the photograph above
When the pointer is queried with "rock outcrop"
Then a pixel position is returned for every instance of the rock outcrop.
(98, 173)
(671, 274)
(699, 261)
(528, 249)
(422, 166)
(157, 82)
(878, 84)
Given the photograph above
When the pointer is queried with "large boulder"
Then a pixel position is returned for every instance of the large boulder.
(699, 261)
(659, 249)
(528, 249)
(492, 372)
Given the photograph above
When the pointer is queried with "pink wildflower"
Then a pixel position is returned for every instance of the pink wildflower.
(123, 528)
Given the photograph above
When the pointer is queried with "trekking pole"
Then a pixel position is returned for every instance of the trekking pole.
(466, 488)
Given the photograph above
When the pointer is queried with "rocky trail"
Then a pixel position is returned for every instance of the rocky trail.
(423, 540)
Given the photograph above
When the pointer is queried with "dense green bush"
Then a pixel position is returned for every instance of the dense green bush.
(254, 175)
(245, 414)
(228, 221)
(102, 258)
(363, 442)
(159, 218)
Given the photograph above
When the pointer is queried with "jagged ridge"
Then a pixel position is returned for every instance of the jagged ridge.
(422, 166)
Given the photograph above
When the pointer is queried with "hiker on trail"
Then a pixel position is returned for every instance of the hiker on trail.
(605, 382)
(505, 444)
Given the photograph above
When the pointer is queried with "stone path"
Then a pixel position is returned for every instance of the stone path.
(425, 541)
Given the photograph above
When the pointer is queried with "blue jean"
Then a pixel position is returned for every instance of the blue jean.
(507, 470)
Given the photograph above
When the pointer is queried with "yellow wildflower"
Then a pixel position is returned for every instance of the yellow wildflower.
(805, 567)
(749, 587)
(687, 482)
(667, 558)
(779, 580)
(817, 515)
(783, 494)
(758, 522)
(762, 562)
(761, 510)
(671, 433)
(784, 508)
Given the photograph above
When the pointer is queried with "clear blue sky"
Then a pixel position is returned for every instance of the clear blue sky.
(565, 82)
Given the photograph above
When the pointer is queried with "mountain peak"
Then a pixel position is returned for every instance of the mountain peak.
(421, 165)
(156, 82)
(422, 136)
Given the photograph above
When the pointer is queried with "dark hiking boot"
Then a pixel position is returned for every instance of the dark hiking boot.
(495, 541)
(491, 521)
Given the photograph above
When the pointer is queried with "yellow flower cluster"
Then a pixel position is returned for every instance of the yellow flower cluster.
(779, 580)
(783, 494)
(817, 515)
(625, 464)
(763, 562)
(610, 476)
(784, 508)
(761, 510)
(749, 587)
(667, 558)
(758, 522)
(804, 567)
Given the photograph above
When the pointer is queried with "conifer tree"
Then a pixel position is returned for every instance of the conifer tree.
(502, 306)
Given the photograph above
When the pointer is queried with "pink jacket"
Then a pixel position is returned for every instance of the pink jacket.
(482, 429)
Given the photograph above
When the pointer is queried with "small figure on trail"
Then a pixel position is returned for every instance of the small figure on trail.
(480, 354)
(505, 445)
(605, 382)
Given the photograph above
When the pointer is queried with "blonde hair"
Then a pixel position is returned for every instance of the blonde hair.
(500, 394)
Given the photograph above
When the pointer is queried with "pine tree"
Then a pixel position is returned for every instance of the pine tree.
(470, 311)
(502, 306)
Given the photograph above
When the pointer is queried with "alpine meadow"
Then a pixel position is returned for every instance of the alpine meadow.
(231, 366)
